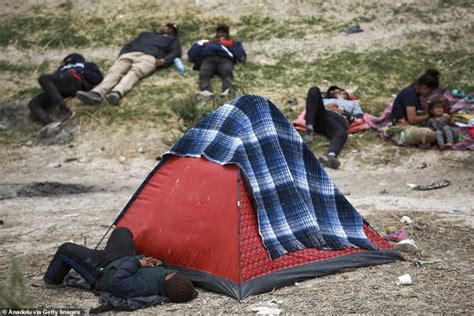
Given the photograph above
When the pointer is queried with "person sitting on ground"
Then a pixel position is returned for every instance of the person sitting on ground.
(72, 75)
(339, 100)
(442, 124)
(119, 271)
(326, 122)
(216, 56)
(409, 115)
(138, 59)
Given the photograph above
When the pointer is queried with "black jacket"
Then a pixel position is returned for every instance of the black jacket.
(159, 45)
(88, 73)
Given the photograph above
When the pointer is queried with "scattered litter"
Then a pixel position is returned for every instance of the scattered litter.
(29, 143)
(71, 159)
(54, 165)
(384, 191)
(390, 229)
(419, 263)
(432, 186)
(458, 212)
(122, 159)
(352, 29)
(265, 308)
(398, 235)
(406, 220)
(406, 245)
(141, 150)
(404, 280)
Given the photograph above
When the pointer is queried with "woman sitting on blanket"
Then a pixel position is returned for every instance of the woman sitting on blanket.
(409, 115)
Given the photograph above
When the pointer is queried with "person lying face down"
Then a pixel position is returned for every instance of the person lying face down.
(119, 271)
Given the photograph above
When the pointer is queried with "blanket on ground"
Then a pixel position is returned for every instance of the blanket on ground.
(298, 205)
(356, 126)
(456, 106)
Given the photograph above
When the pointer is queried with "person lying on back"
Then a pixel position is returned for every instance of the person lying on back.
(119, 271)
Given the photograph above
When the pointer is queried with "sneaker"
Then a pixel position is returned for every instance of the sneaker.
(225, 93)
(309, 137)
(330, 162)
(66, 114)
(43, 284)
(89, 97)
(50, 129)
(205, 94)
(113, 97)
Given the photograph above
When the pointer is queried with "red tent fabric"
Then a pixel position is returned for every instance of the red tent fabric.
(198, 217)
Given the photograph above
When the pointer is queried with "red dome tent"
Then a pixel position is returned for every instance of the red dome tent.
(197, 216)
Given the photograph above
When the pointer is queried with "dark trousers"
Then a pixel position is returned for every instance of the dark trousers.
(89, 262)
(212, 65)
(325, 122)
(55, 88)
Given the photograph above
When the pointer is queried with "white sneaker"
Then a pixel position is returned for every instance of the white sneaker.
(205, 94)
(225, 93)
(50, 129)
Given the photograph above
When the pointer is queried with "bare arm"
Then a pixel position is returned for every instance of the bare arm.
(413, 118)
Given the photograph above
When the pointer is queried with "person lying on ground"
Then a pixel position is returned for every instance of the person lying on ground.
(327, 123)
(216, 56)
(137, 59)
(119, 271)
(409, 115)
(442, 124)
(72, 75)
(339, 100)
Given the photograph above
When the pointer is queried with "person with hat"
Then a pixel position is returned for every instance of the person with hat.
(216, 56)
(119, 271)
(137, 59)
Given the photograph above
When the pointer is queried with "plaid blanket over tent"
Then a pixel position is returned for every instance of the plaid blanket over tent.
(298, 205)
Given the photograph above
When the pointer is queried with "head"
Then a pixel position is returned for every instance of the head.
(170, 28)
(178, 288)
(222, 30)
(337, 93)
(427, 82)
(435, 108)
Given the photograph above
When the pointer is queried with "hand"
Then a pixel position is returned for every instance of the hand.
(160, 62)
(150, 262)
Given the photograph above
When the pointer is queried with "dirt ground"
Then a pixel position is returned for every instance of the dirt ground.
(72, 188)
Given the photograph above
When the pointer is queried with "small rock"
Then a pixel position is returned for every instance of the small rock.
(71, 159)
(122, 159)
(29, 143)
(141, 150)
(384, 191)
(2, 222)
(54, 165)
(406, 220)
(404, 280)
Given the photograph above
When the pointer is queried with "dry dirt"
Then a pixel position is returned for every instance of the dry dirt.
(102, 166)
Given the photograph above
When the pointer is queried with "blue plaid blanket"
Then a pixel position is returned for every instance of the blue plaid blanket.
(298, 205)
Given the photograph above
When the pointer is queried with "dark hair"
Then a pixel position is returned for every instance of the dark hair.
(223, 28)
(331, 89)
(179, 288)
(434, 102)
(174, 27)
(430, 79)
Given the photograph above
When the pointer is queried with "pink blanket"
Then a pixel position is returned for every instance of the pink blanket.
(356, 126)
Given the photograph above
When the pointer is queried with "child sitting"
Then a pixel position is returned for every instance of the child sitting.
(442, 124)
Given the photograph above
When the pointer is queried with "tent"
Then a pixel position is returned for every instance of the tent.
(200, 217)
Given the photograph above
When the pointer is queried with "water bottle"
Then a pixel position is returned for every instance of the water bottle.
(178, 64)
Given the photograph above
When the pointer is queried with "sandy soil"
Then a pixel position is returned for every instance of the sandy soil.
(101, 167)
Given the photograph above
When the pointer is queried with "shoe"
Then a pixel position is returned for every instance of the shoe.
(225, 93)
(113, 97)
(89, 97)
(330, 162)
(43, 284)
(50, 129)
(65, 115)
(309, 137)
(205, 94)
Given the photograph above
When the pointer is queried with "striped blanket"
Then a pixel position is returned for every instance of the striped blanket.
(298, 205)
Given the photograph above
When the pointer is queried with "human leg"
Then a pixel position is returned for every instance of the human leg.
(335, 127)
(119, 245)
(315, 112)
(225, 68)
(206, 72)
(69, 255)
(420, 135)
(37, 107)
(142, 66)
(118, 69)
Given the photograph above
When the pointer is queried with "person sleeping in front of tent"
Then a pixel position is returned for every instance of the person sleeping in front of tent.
(119, 271)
